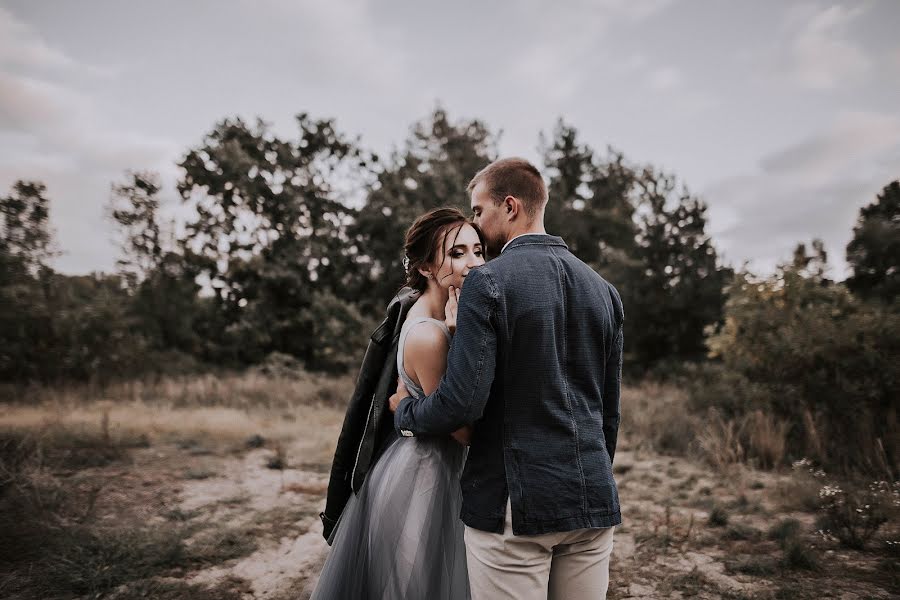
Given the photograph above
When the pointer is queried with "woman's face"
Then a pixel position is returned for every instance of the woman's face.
(461, 251)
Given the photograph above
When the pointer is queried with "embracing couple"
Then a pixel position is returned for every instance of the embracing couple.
(494, 477)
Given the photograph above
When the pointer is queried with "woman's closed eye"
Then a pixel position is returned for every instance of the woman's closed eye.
(460, 253)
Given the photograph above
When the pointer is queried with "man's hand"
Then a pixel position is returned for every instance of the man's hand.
(400, 394)
(450, 310)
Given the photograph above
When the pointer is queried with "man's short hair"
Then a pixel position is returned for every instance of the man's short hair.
(513, 177)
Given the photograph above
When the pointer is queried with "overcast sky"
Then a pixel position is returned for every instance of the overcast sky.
(783, 116)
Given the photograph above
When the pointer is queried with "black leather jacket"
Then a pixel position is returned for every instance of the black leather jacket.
(368, 424)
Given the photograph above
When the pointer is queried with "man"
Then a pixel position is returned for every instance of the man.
(535, 368)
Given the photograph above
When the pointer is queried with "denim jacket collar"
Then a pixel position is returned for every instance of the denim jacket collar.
(531, 239)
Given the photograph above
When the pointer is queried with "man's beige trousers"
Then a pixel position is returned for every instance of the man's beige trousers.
(571, 565)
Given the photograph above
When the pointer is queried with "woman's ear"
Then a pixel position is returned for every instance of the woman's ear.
(424, 272)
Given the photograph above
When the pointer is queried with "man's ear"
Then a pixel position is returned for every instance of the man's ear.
(512, 206)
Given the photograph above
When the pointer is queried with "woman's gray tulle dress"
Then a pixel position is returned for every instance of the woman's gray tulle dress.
(401, 537)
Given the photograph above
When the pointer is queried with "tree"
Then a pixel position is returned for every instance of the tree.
(25, 234)
(433, 170)
(54, 327)
(270, 231)
(874, 251)
(161, 281)
(25, 248)
(680, 291)
(134, 206)
(590, 203)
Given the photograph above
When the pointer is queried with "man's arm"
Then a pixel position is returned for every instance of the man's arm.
(463, 391)
(611, 391)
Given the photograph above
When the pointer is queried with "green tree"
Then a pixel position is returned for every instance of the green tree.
(160, 279)
(874, 251)
(54, 327)
(590, 203)
(270, 232)
(680, 291)
(434, 168)
(25, 233)
(25, 248)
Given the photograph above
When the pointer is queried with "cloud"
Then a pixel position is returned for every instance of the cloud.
(22, 49)
(664, 78)
(813, 188)
(818, 54)
(679, 96)
(852, 143)
(19, 47)
(52, 130)
(563, 45)
(338, 38)
(28, 104)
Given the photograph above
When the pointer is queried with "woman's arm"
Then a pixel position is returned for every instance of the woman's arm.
(425, 360)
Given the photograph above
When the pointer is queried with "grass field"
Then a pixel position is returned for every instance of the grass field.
(209, 488)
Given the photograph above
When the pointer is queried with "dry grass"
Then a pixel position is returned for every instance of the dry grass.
(720, 441)
(766, 439)
(691, 530)
(656, 415)
(250, 390)
(52, 440)
(230, 411)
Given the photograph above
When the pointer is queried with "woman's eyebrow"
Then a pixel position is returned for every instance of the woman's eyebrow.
(463, 246)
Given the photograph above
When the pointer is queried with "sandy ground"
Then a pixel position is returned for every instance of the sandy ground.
(666, 547)
(263, 522)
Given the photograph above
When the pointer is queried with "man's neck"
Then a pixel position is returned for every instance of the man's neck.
(537, 230)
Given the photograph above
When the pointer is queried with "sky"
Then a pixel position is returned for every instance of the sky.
(784, 117)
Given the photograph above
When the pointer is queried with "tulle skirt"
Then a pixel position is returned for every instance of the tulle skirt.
(401, 537)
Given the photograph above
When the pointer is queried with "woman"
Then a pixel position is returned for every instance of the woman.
(400, 537)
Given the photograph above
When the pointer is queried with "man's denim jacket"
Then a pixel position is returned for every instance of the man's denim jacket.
(535, 367)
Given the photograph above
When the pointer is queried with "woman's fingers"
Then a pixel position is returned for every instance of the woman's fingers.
(450, 309)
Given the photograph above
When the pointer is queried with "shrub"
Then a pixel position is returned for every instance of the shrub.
(853, 517)
(817, 361)
(785, 530)
(798, 555)
(718, 517)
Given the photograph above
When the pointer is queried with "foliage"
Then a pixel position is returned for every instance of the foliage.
(874, 251)
(678, 293)
(633, 227)
(434, 168)
(854, 517)
(818, 359)
(270, 235)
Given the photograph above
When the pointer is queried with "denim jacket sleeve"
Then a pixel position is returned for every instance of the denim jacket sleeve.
(611, 394)
(463, 391)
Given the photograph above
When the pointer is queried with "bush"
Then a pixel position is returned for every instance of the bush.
(854, 517)
(815, 361)
(798, 555)
(785, 530)
(718, 517)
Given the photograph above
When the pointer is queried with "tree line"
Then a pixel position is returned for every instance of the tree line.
(294, 246)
